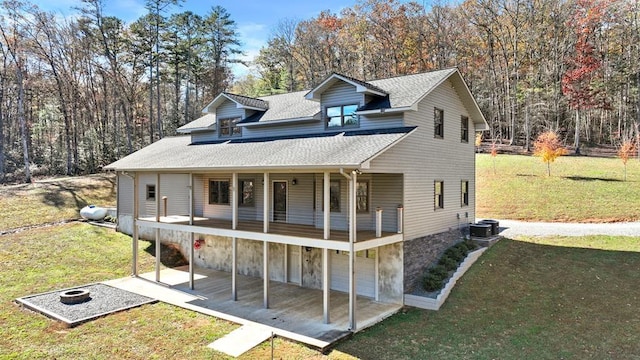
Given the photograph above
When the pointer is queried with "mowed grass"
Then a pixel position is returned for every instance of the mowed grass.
(531, 298)
(58, 257)
(525, 300)
(580, 189)
(54, 200)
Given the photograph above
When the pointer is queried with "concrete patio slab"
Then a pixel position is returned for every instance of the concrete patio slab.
(241, 340)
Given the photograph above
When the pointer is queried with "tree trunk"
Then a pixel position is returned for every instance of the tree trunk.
(576, 140)
(23, 124)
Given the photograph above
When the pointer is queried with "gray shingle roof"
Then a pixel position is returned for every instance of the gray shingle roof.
(368, 85)
(322, 151)
(202, 122)
(248, 101)
(408, 89)
(289, 106)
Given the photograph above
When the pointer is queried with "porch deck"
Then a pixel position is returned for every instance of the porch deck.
(254, 230)
(295, 312)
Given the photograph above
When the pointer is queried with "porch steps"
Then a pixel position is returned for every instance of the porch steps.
(241, 340)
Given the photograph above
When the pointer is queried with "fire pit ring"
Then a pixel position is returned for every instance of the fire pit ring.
(75, 296)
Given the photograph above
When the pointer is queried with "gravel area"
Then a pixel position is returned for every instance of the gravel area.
(514, 228)
(103, 300)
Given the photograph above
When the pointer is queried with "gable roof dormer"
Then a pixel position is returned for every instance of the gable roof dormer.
(242, 102)
(361, 86)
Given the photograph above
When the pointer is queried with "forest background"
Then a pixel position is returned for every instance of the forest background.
(79, 92)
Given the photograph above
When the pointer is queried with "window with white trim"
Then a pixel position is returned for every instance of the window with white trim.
(342, 116)
(219, 192)
(464, 193)
(228, 127)
(438, 192)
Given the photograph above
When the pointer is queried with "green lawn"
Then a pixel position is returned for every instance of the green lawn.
(530, 298)
(54, 200)
(580, 189)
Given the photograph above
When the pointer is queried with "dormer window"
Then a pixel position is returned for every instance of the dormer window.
(228, 127)
(342, 116)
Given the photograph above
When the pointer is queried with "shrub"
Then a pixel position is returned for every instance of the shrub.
(432, 282)
(463, 247)
(440, 271)
(471, 245)
(455, 253)
(448, 263)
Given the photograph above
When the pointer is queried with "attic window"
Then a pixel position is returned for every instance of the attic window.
(228, 127)
(342, 116)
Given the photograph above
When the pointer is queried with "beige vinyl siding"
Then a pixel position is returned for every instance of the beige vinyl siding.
(386, 193)
(423, 159)
(198, 195)
(125, 195)
(176, 188)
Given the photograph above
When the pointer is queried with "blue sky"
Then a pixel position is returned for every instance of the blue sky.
(255, 18)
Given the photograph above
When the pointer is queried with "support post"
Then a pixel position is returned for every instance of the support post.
(136, 211)
(265, 271)
(352, 255)
(378, 222)
(400, 218)
(157, 232)
(326, 284)
(265, 209)
(234, 201)
(193, 235)
(326, 201)
(234, 268)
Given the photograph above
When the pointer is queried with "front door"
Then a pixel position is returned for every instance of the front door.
(280, 201)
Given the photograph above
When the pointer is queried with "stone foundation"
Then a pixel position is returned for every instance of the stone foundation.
(421, 253)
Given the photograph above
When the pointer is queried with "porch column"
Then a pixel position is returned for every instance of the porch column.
(265, 273)
(134, 242)
(352, 255)
(234, 268)
(157, 230)
(326, 262)
(326, 284)
(234, 201)
(265, 202)
(193, 235)
(326, 201)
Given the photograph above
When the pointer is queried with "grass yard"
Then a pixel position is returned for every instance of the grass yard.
(525, 300)
(580, 189)
(54, 200)
(530, 298)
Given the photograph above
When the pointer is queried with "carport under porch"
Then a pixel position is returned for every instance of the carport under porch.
(300, 261)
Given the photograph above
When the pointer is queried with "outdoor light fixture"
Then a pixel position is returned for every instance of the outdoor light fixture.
(294, 181)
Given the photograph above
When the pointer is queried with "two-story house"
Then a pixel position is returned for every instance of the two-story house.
(352, 186)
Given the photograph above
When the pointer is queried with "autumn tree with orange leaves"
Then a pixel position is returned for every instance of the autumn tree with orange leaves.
(548, 147)
(626, 150)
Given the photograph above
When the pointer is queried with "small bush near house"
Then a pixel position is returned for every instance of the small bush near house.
(449, 262)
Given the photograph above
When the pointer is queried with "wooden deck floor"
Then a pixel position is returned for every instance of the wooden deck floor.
(279, 228)
(294, 313)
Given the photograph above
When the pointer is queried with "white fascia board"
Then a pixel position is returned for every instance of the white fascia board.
(413, 107)
(190, 130)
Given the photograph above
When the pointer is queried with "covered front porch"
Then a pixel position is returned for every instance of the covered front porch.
(306, 227)
(295, 313)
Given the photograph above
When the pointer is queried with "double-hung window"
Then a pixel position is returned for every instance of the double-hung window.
(438, 192)
(438, 123)
(362, 196)
(342, 116)
(219, 192)
(228, 127)
(246, 190)
(151, 192)
(464, 129)
(464, 193)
